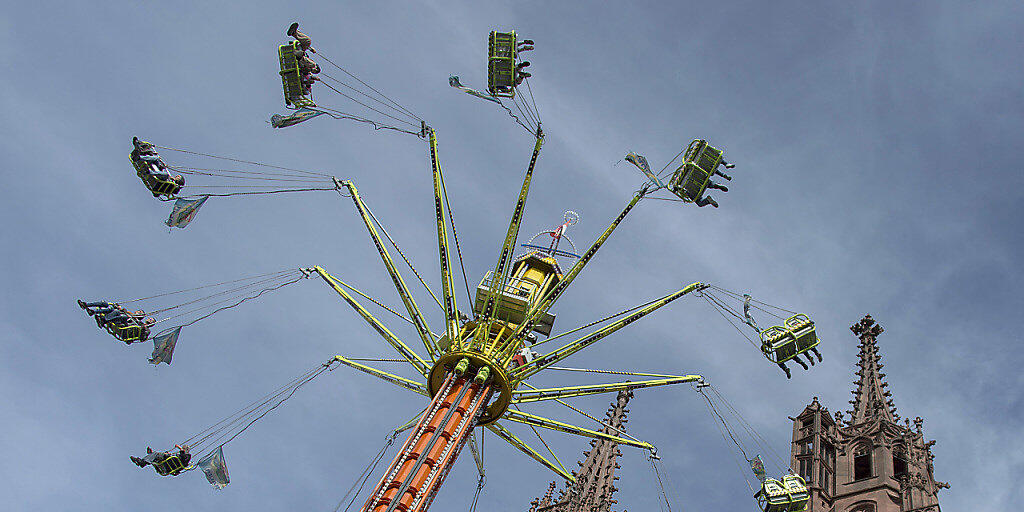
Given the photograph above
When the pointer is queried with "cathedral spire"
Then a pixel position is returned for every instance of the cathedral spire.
(595, 479)
(871, 398)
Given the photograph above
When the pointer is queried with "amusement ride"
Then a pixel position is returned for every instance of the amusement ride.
(474, 371)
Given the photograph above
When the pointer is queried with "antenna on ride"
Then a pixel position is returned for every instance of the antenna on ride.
(570, 218)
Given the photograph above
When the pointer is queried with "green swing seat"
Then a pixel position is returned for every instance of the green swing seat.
(159, 187)
(171, 466)
(291, 76)
(128, 333)
(690, 180)
(501, 64)
(781, 343)
(789, 495)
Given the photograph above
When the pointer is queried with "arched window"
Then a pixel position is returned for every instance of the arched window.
(862, 464)
(863, 506)
(899, 461)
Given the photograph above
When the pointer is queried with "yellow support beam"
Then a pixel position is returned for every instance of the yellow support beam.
(544, 305)
(523, 372)
(403, 349)
(540, 421)
(509, 246)
(414, 312)
(502, 432)
(411, 385)
(451, 311)
(541, 394)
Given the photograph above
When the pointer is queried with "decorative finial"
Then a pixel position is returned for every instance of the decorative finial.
(866, 328)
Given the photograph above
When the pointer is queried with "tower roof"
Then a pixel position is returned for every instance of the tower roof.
(595, 479)
(871, 400)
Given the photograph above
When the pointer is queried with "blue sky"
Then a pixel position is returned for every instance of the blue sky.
(854, 128)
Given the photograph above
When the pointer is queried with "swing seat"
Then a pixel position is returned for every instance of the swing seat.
(291, 76)
(171, 466)
(802, 328)
(773, 496)
(501, 64)
(778, 344)
(798, 494)
(690, 180)
(126, 333)
(158, 186)
(781, 343)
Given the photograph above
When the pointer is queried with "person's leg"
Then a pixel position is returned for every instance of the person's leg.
(814, 350)
(724, 175)
(704, 201)
(304, 41)
(783, 366)
(713, 185)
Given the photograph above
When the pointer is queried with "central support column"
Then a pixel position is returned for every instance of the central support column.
(419, 469)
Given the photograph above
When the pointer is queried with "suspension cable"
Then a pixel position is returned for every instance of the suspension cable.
(340, 82)
(241, 161)
(385, 114)
(338, 114)
(286, 275)
(402, 254)
(727, 319)
(455, 234)
(595, 322)
(297, 279)
(207, 286)
(231, 194)
(343, 70)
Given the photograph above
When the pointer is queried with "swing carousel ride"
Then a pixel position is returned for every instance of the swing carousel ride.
(474, 373)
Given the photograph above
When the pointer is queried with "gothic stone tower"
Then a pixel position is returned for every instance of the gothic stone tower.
(595, 480)
(868, 463)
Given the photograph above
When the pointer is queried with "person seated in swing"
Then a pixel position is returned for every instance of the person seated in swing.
(155, 167)
(306, 65)
(127, 326)
(165, 463)
(101, 307)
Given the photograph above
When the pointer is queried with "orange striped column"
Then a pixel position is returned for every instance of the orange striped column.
(419, 469)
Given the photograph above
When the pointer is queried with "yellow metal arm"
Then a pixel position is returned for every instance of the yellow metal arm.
(394, 379)
(503, 433)
(509, 246)
(544, 305)
(451, 312)
(571, 348)
(403, 349)
(537, 395)
(540, 421)
(414, 312)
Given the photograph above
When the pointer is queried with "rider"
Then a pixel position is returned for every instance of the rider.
(161, 461)
(157, 168)
(307, 67)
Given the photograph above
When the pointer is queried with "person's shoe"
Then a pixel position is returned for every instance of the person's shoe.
(712, 202)
(138, 462)
(293, 29)
(81, 304)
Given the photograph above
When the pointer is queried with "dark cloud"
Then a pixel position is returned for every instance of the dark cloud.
(878, 172)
